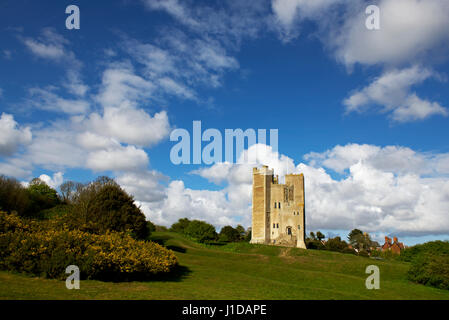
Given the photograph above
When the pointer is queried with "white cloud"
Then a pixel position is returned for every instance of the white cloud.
(180, 202)
(49, 46)
(54, 181)
(122, 87)
(16, 167)
(410, 30)
(144, 186)
(389, 189)
(118, 159)
(392, 91)
(11, 135)
(52, 46)
(288, 14)
(130, 125)
(46, 99)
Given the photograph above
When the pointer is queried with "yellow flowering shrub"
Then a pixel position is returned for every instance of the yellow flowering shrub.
(110, 256)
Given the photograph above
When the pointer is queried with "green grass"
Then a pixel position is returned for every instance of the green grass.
(239, 271)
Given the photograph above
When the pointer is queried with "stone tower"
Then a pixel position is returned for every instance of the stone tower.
(278, 210)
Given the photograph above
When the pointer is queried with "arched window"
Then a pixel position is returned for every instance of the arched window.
(275, 205)
(279, 205)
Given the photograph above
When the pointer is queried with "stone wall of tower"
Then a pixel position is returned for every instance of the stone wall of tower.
(262, 180)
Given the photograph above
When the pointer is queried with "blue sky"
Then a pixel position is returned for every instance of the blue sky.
(362, 113)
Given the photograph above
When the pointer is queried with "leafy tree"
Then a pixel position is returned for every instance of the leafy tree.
(13, 196)
(103, 205)
(336, 244)
(180, 226)
(359, 240)
(241, 232)
(320, 236)
(41, 196)
(201, 231)
(312, 236)
(229, 234)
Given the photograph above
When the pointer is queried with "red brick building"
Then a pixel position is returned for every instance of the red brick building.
(395, 246)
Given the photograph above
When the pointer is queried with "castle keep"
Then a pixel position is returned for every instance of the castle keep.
(278, 213)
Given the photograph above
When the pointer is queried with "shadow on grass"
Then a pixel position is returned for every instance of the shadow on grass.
(162, 239)
(177, 274)
(177, 248)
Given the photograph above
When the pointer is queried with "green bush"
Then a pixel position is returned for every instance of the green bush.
(314, 244)
(229, 234)
(432, 248)
(201, 231)
(55, 212)
(113, 256)
(431, 270)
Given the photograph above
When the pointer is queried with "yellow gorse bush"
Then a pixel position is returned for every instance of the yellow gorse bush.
(36, 249)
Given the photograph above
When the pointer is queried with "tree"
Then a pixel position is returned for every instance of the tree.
(41, 196)
(360, 240)
(201, 231)
(320, 236)
(229, 234)
(312, 236)
(180, 226)
(336, 244)
(151, 226)
(248, 234)
(241, 232)
(355, 238)
(103, 205)
(13, 196)
(69, 189)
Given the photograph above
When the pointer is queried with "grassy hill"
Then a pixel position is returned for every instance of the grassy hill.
(239, 271)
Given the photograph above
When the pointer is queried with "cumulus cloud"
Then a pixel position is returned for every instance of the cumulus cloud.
(12, 136)
(410, 30)
(390, 189)
(54, 181)
(412, 33)
(392, 91)
(144, 186)
(131, 125)
(180, 202)
(127, 158)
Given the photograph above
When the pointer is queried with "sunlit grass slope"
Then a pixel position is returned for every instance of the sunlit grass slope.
(239, 271)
